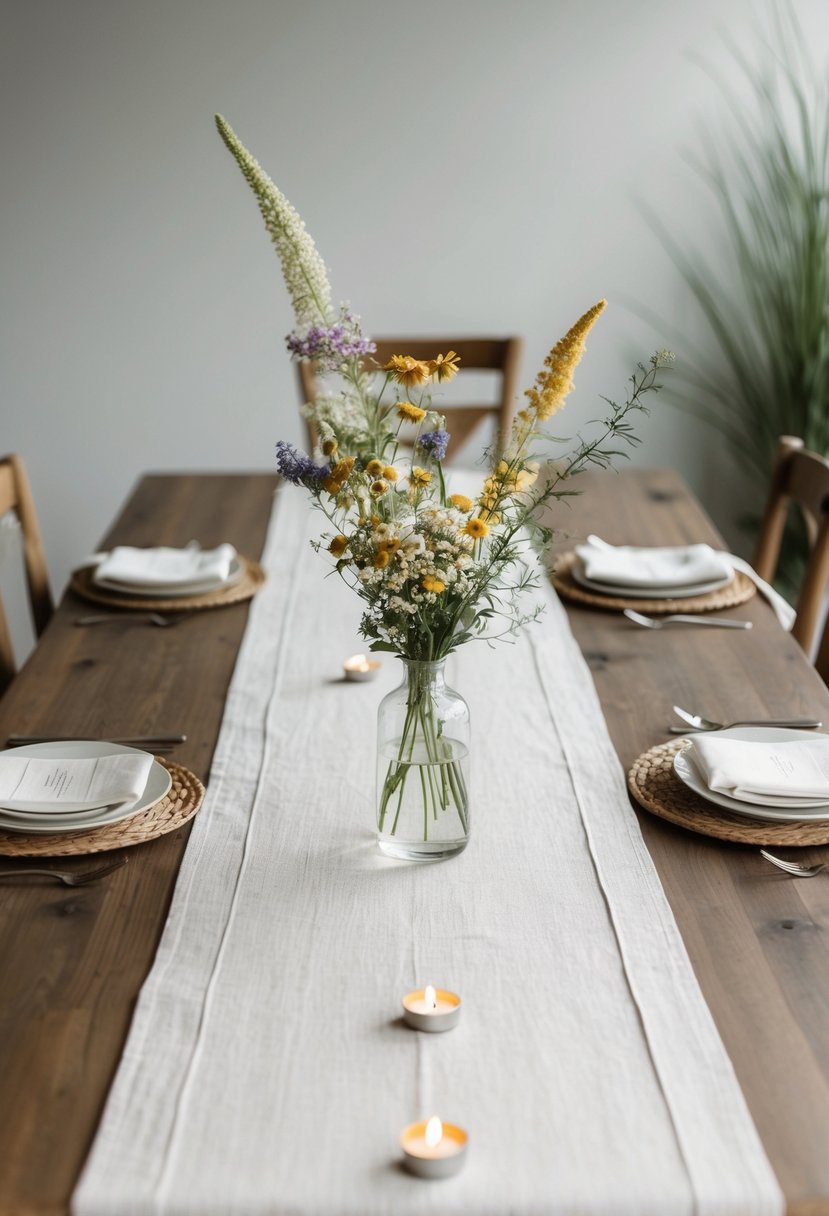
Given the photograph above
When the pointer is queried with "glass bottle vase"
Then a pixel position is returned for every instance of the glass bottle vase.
(423, 767)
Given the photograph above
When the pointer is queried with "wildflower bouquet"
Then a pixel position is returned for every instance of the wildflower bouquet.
(435, 569)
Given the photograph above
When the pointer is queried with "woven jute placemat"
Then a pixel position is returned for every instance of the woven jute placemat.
(181, 802)
(656, 787)
(253, 576)
(740, 589)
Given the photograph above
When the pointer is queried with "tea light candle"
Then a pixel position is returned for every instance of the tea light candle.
(433, 1149)
(431, 1009)
(359, 667)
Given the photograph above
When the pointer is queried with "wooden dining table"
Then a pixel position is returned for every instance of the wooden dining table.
(72, 961)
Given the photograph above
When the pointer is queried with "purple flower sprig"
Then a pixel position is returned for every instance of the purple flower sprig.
(298, 468)
(330, 345)
(434, 443)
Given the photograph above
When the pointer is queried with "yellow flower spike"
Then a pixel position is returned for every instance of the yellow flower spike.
(526, 477)
(444, 367)
(338, 546)
(461, 502)
(390, 473)
(433, 584)
(378, 488)
(555, 380)
(374, 468)
(476, 528)
(419, 476)
(409, 412)
(407, 370)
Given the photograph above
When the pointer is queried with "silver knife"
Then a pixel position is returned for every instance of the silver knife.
(20, 740)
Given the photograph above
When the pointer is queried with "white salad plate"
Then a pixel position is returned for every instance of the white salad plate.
(690, 775)
(647, 593)
(48, 822)
(175, 590)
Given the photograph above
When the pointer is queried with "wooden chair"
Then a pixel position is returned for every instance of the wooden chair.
(16, 496)
(800, 477)
(500, 355)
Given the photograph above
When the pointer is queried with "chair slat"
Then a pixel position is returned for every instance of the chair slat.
(481, 354)
(16, 495)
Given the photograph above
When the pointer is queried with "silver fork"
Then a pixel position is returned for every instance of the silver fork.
(649, 622)
(137, 618)
(791, 867)
(696, 722)
(66, 877)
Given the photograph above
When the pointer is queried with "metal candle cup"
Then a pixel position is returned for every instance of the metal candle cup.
(432, 1149)
(359, 667)
(431, 1009)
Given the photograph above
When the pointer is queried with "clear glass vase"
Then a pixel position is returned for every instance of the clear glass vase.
(423, 767)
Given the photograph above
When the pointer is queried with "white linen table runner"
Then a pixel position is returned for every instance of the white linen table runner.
(267, 1070)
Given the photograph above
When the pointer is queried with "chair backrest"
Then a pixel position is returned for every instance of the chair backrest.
(800, 477)
(500, 355)
(16, 496)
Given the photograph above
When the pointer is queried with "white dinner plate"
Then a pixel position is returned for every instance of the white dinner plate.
(690, 775)
(171, 591)
(158, 785)
(622, 590)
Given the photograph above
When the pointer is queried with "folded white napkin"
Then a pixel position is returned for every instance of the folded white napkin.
(630, 566)
(673, 567)
(790, 774)
(57, 784)
(160, 568)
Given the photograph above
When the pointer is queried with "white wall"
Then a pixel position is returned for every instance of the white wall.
(462, 165)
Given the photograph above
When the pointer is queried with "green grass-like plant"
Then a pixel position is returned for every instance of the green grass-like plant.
(767, 301)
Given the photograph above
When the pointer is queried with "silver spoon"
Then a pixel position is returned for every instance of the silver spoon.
(792, 867)
(698, 722)
(649, 622)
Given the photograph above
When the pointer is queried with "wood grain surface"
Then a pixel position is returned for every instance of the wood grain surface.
(758, 940)
(72, 962)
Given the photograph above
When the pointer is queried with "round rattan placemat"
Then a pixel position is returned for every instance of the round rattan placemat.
(179, 804)
(737, 592)
(656, 787)
(253, 576)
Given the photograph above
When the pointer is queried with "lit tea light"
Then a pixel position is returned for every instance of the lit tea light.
(433, 1149)
(360, 667)
(431, 1009)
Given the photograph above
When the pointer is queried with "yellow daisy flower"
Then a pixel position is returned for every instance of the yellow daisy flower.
(409, 412)
(378, 488)
(389, 546)
(390, 473)
(338, 546)
(374, 468)
(433, 584)
(382, 559)
(338, 476)
(407, 370)
(444, 367)
(476, 528)
(419, 476)
(329, 447)
(461, 502)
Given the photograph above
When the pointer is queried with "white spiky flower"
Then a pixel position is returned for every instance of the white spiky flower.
(302, 267)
